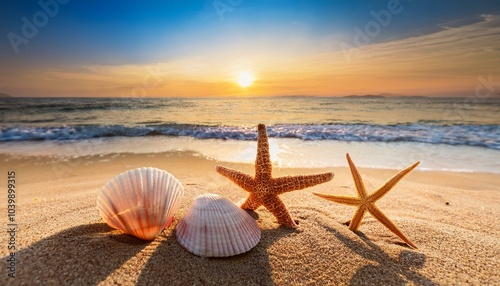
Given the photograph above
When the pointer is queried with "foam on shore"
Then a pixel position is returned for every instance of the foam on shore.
(284, 152)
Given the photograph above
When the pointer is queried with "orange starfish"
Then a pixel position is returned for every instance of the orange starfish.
(367, 202)
(264, 189)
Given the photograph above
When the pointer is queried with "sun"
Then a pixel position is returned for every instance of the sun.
(245, 79)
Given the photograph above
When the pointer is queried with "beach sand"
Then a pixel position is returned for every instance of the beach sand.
(61, 239)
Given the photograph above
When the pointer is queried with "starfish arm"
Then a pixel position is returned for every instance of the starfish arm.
(276, 206)
(360, 187)
(251, 203)
(243, 180)
(391, 183)
(340, 199)
(291, 183)
(381, 217)
(263, 166)
(357, 218)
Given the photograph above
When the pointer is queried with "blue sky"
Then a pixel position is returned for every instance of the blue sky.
(85, 34)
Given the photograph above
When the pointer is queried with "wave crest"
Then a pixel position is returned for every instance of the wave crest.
(472, 135)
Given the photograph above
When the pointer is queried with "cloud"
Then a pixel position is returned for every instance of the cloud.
(448, 61)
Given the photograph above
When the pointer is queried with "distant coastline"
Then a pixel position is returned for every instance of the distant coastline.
(373, 96)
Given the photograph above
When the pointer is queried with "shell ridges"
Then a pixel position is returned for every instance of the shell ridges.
(215, 227)
(140, 202)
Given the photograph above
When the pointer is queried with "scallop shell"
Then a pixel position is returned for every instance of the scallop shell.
(141, 202)
(215, 227)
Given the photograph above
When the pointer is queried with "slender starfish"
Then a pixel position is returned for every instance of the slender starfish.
(367, 202)
(264, 189)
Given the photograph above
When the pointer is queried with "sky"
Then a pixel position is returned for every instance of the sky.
(58, 48)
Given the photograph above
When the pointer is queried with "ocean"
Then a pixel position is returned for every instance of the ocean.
(451, 134)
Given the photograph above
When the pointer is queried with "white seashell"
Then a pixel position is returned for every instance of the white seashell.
(141, 202)
(215, 227)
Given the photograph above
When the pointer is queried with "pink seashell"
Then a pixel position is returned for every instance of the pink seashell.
(141, 202)
(215, 227)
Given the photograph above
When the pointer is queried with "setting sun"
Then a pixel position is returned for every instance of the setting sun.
(245, 79)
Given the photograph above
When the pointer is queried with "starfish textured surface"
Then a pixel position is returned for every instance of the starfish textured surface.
(367, 202)
(264, 189)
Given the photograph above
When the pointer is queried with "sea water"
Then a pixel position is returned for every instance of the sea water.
(454, 134)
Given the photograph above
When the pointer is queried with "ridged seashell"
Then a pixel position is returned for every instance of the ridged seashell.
(141, 202)
(215, 227)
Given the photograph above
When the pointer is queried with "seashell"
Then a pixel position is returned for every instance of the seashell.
(141, 202)
(215, 227)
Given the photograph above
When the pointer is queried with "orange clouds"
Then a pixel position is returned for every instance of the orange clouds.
(447, 62)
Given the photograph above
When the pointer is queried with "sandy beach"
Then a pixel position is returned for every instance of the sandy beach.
(406, 92)
(61, 239)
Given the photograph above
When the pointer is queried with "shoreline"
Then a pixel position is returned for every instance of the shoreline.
(449, 216)
(61, 167)
(287, 153)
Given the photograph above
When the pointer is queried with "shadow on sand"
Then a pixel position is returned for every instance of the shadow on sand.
(172, 264)
(88, 254)
(386, 270)
(82, 255)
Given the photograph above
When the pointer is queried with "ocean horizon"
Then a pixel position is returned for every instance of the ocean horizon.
(448, 134)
